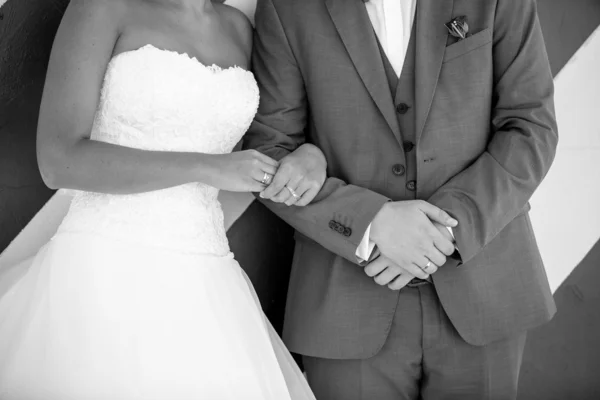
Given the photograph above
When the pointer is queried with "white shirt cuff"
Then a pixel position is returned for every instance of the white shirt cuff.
(453, 237)
(365, 247)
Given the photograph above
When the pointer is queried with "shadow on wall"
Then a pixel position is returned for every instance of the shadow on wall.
(27, 29)
(562, 358)
(566, 24)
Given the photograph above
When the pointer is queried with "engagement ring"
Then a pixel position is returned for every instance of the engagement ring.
(266, 179)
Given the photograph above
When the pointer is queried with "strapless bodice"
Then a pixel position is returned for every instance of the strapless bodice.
(156, 99)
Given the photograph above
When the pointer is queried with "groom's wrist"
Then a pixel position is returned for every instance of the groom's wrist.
(376, 224)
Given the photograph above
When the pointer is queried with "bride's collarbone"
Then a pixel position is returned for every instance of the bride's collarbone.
(211, 42)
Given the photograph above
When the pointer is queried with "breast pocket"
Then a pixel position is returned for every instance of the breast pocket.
(467, 45)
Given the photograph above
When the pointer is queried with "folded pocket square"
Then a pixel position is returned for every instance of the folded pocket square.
(469, 44)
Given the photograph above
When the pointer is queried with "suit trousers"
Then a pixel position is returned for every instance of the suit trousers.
(423, 358)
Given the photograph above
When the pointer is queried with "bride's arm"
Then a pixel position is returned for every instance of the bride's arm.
(69, 159)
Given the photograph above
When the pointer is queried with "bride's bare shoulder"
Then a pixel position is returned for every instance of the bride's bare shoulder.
(90, 21)
(96, 21)
(95, 8)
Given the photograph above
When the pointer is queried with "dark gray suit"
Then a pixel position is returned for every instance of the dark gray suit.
(484, 136)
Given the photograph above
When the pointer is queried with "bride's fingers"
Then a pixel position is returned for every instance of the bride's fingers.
(269, 169)
(254, 186)
(263, 177)
(278, 183)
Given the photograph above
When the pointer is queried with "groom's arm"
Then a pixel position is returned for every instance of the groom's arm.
(492, 191)
(339, 216)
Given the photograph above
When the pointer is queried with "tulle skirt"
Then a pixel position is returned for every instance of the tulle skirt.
(91, 318)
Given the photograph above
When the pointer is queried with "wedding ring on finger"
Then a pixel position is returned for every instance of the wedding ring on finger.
(266, 179)
(292, 192)
(426, 267)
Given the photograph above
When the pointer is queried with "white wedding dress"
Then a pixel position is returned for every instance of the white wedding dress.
(138, 296)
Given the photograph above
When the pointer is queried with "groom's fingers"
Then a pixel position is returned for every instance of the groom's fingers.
(301, 190)
(307, 197)
(443, 240)
(376, 266)
(266, 159)
(283, 196)
(286, 195)
(295, 184)
(388, 275)
(437, 214)
(414, 270)
(400, 281)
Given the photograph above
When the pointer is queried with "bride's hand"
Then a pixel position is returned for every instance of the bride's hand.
(299, 178)
(244, 171)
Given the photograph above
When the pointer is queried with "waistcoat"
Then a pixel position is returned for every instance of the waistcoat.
(403, 95)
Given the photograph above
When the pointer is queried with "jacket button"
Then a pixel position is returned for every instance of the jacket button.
(398, 169)
(408, 146)
(332, 225)
(347, 232)
(340, 229)
(402, 108)
(411, 185)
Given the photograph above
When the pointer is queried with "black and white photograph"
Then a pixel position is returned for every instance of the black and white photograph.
(299, 199)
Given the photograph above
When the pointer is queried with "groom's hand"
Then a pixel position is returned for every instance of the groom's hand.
(444, 231)
(300, 177)
(385, 273)
(404, 232)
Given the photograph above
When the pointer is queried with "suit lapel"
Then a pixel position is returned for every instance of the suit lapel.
(431, 45)
(354, 27)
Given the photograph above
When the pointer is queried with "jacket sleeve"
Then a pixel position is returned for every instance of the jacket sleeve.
(339, 216)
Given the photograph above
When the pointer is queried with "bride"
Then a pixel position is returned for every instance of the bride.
(138, 296)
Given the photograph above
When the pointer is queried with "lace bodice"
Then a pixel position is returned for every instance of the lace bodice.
(156, 99)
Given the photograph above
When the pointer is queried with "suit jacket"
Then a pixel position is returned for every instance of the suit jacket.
(485, 135)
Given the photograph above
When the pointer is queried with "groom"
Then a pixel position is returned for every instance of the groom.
(419, 106)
